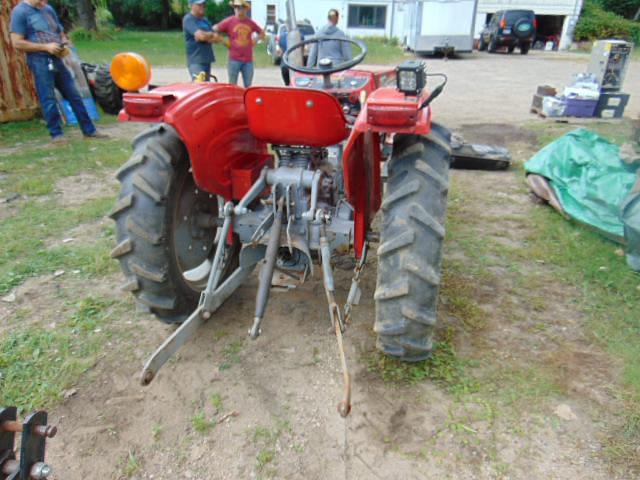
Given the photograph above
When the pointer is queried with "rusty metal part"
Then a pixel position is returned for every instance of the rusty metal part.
(344, 407)
(354, 291)
(48, 431)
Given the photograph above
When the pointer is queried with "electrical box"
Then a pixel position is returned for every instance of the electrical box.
(610, 60)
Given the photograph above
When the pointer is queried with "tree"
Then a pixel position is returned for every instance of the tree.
(166, 10)
(626, 8)
(86, 14)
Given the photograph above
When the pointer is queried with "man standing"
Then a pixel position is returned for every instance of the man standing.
(337, 51)
(198, 38)
(240, 28)
(36, 30)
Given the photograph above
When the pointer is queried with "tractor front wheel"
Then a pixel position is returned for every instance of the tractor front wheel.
(410, 251)
(165, 225)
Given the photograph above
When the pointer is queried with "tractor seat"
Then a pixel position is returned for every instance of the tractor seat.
(295, 116)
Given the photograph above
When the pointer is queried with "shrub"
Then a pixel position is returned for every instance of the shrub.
(595, 23)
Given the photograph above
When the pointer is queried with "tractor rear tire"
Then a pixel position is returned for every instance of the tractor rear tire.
(410, 251)
(157, 235)
(107, 93)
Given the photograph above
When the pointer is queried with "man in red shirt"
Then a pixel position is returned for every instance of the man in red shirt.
(240, 28)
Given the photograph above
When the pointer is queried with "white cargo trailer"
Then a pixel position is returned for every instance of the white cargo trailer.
(445, 26)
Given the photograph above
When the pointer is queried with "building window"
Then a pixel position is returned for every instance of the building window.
(271, 15)
(367, 16)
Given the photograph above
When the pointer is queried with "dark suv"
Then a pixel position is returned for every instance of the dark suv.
(511, 29)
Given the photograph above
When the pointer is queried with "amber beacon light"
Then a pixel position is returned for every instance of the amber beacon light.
(130, 71)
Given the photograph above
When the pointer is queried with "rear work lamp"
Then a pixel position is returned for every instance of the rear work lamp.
(411, 77)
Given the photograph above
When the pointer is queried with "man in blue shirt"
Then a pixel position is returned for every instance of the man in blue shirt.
(36, 30)
(198, 37)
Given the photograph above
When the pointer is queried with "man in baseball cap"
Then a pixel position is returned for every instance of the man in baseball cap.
(198, 38)
(240, 29)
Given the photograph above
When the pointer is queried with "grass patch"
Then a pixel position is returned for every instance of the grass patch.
(24, 255)
(32, 172)
(267, 439)
(231, 354)
(37, 365)
(444, 368)
(617, 132)
(608, 292)
(130, 465)
(201, 423)
(167, 49)
(216, 401)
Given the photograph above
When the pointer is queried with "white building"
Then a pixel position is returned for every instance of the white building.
(391, 18)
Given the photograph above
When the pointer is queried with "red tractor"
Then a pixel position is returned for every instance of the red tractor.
(229, 179)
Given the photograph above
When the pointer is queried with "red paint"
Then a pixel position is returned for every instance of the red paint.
(145, 107)
(295, 116)
(362, 155)
(211, 121)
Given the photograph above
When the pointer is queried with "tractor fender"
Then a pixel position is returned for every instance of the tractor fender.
(211, 121)
(363, 151)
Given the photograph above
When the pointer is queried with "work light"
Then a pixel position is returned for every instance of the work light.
(410, 77)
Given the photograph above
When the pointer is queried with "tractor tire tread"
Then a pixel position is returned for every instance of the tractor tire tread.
(140, 214)
(410, 251)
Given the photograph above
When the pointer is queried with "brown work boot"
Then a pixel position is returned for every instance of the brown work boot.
(59, 141)
(97, 135)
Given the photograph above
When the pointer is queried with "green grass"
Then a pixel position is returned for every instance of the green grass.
(31, 172)
(130, 465)
(37, 364)
(444, 368)
(201, 423)
(167, 49)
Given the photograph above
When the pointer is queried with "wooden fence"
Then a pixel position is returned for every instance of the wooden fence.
(18, 100)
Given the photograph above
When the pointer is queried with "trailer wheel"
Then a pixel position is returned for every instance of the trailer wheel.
(410, 251)
(107, 93)
(159, 232)
(524, 48)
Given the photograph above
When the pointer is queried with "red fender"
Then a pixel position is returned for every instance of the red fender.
(386, 111)
(212, 122)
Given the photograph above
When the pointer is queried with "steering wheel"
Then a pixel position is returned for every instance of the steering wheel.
(325, 66)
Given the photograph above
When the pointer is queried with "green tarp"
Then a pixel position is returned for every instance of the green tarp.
(592, 183)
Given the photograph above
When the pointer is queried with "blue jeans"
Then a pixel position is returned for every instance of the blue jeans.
(196, 68)
(47, 79)
(235, 67)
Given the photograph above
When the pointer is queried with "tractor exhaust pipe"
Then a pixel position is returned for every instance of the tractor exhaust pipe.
(266, 273)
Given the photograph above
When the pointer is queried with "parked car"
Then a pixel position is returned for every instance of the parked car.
(511, 29)
(277, 43)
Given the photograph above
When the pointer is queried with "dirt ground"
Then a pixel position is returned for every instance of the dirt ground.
(285, 386)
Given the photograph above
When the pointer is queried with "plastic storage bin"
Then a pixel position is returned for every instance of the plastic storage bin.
(576, 107)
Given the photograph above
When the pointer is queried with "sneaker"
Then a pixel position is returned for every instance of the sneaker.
(59, 140)
(97, 135)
